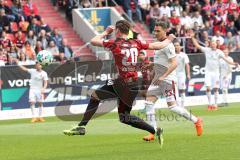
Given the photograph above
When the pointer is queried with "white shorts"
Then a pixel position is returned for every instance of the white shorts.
(181, 81)
(35, 95)
(225, 81)
(212, 80)
(165, 89)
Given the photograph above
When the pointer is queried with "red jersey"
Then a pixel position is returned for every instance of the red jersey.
(145, 72)
(125, 53)
(19, 43)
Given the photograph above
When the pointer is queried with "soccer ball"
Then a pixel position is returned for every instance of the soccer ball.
(44, 57)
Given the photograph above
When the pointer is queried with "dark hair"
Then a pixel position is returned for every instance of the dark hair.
(27, 42)
(162, 24)
(123, 26)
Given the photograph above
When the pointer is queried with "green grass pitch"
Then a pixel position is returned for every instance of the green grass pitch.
(107, 139)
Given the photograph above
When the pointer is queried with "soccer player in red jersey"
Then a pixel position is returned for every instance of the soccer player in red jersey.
(125, 88)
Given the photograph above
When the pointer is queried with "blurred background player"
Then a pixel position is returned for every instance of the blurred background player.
(183, 70)
(38, 84)
(145, 72)
(163, 83)
(125, 88)
(212, 69)
(225, 77)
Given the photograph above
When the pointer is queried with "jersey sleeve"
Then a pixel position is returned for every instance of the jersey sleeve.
(45, 77)
(108, 43)
(171, 51)
(186, 59)
(143, 45)
(31, 71)
(220, 54)
(204, 49)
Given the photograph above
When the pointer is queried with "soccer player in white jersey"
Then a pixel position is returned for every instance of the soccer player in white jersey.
(225, 76)
(183, 70)
(163, 83)
(212, 69)
(38, 84)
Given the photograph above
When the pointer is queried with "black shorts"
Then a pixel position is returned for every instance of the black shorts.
(124, 92)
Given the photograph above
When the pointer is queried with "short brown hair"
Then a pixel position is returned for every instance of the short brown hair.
(162, 24)
(123, 26)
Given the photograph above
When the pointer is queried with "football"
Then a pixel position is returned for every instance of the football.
(44, 57)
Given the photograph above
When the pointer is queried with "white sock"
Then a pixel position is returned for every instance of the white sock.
(225, 93)
(182, 99)
(183, 112)
(216, 94)
(33, 110)
(209, 98)
(40, 111)
(150, 112)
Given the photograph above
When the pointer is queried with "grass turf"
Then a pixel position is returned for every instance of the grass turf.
(106, 138)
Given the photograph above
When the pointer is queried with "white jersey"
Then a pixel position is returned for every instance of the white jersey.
(162, 57)
(225, 68)
(212, 59)
(182, 60)
(37, 78)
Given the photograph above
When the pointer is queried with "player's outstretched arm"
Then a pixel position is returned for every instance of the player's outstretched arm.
(194, 40)
(22, 67)
(230, 62)
(98, 39)
(163, 44)
(188, 71)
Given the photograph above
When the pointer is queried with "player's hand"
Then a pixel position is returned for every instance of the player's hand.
(109, 29)
(188, 76)
(159, 81)
(171, 37)
(237, 65)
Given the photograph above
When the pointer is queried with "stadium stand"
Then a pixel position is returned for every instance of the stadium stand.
(40, 22)
(219, 18)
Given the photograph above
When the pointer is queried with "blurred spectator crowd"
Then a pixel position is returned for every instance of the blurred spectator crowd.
(24, 33)
(217, 19)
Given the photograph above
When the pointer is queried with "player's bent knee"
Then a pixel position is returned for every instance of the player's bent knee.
(171, 100)
(94, 96)
(215, 89)
(124, 118)
(32, 103)
(208, 89)
(171, 103)
(151, 99)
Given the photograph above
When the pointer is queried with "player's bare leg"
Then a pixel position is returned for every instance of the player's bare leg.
(216, 94)
(40, 117)
(209, 96)
(90, 111)
(172, 105)
(225, 97)
(151, 118)
(32, 106)
(182, 96)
